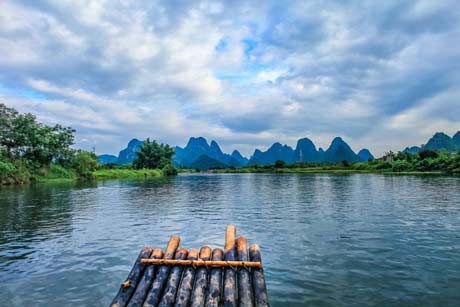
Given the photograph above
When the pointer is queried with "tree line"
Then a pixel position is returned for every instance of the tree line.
(30, 149)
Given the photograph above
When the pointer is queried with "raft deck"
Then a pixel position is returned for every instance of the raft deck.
(180, 277)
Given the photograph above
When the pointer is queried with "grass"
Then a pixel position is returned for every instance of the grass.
(126, 173)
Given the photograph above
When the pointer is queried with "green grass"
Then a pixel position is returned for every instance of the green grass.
(126, 173)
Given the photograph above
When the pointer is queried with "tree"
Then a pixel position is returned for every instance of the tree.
(428, 153)
(23, 137)
(153, 155)
(280, 164)
(85, 162)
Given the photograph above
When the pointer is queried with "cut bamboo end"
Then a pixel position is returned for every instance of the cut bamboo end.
(157, 253)
(205, 253)
(230, 238)
(172, 246)
(206, 263)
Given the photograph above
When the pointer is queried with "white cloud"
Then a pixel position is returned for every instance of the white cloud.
(246, 73)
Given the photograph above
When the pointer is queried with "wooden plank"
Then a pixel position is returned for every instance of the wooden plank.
(146, 281)
(201, 280)
(214, 295)
(208, 263)
(258, 279)
(169, 294)
(154, 295)
(186, 284)
(244, 279)
(128, 287)
(230, 293)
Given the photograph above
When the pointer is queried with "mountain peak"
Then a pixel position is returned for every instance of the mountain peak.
(364, 155)
(440, 141)
(134, 142)
(197, 141)
(215, 147)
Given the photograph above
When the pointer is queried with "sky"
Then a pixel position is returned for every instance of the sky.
(380, 74)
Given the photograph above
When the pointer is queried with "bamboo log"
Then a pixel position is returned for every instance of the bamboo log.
(258, 280)
(213, 297)
(128, 287)
(154, 295)
(206, 263)
(201, 280)
(244, 279)
(169, 294)
(144, 284)
(230, 293)
(186, 284)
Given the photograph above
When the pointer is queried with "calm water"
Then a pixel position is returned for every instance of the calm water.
(327, 240)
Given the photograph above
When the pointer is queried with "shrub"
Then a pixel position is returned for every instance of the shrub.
(401, 166)
(169, 170)
(85, 163)
(428, 153)
(280, 164)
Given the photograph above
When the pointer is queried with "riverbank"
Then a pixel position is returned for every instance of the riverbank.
(320, 170)
(71, 176)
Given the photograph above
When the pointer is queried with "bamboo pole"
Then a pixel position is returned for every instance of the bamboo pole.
(230, 294)
(258, 280)
(128, 287)
(201, 280)
(144, 284)
(213, 297)
(154, 294)
(186, 284)
(206, 263)
(244, 280)
(169, 294)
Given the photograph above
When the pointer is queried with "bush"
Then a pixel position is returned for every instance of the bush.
(384, 165)
(169, 170)
(401, 166)
(280, 164)
(85, 163)
(428, 153)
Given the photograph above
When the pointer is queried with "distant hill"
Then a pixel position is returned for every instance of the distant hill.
(198, 147)
(365, 155)
(201, 155)
(439, 141)
(205, 162)
(106, 159)
(125, 156)
(305, 151)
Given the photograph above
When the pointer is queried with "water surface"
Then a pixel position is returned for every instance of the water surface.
(327, 240)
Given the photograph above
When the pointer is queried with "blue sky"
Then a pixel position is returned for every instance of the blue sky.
(381, 74)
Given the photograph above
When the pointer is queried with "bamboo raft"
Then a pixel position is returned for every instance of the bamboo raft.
(180, 277)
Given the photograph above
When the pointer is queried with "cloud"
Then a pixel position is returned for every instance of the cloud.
(382, 74)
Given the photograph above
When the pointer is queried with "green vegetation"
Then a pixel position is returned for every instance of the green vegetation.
(427, 161)
(32, 151)
(126, 173)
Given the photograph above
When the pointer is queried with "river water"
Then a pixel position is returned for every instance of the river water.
(326, 240)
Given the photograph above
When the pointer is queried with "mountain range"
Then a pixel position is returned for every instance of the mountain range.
(201, 155)
(439, 141)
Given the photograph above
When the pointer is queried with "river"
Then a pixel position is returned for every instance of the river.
(326, 240)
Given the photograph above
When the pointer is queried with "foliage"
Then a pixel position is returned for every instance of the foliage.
(126, 173)
(403, 162)
(85, 162)
(169, 170)
(22, 137)
(152, 155)
(280, 164)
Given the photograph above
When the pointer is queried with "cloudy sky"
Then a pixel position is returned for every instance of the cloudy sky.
(381, 74)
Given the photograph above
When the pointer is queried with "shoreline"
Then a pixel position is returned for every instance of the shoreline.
(99, 175)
